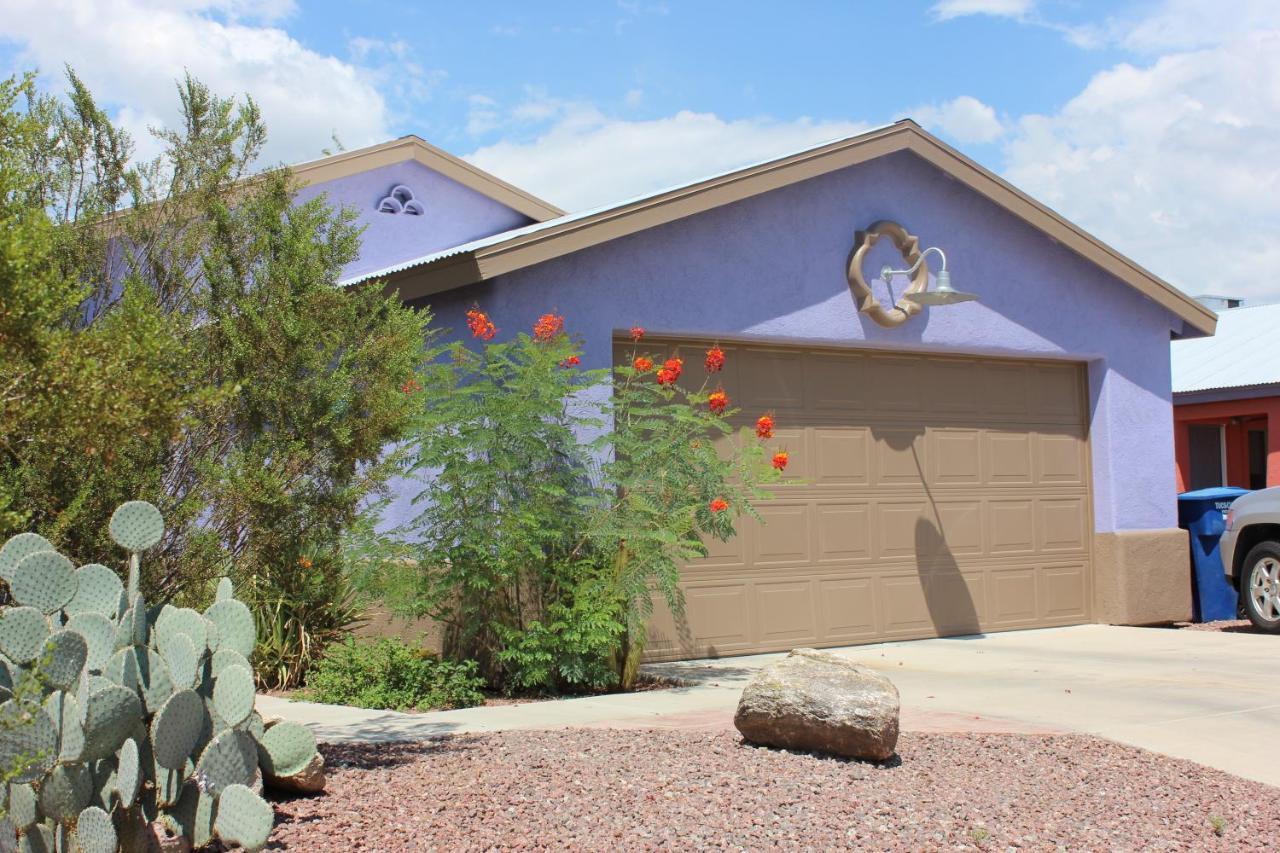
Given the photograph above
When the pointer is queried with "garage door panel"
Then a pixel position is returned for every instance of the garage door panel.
(925, 496)
(782, 534)
(786, 612)
(844, 531)
(1063, 592)
(841, 456)
(1062, 524)
(848, 609)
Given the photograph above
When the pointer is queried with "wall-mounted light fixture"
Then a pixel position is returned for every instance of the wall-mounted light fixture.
(917, 295)
(942, 294)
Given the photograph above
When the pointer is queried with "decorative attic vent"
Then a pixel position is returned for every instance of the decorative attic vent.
(401, 200)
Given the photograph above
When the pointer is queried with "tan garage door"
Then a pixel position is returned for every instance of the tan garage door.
(926, 496)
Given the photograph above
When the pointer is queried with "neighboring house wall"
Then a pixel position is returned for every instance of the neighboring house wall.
(1237, 417)
(451, 213)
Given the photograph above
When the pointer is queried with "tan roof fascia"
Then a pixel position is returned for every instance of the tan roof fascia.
(414, 148)
(555, 240)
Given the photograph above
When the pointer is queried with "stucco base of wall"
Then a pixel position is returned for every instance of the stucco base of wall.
(1141, 577)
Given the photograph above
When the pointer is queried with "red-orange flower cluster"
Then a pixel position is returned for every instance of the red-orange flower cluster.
(571, 361)
(411, 385)
(780, 460)
(548, 326)
(480, 325)
(670, 371)
(715, 360)
(304, 562)
(642, 364)
(718, 505)
(764, 427)
(637, 332)
(718, 401)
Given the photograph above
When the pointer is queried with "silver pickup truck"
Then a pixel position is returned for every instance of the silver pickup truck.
(1250, 550)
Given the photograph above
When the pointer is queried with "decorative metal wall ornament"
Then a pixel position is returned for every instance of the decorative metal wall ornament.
(401, 200)
(917, 294)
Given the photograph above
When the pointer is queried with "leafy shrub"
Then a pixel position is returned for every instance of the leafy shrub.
(390, 674)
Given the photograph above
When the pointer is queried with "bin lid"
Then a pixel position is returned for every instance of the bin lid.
(1213, 493)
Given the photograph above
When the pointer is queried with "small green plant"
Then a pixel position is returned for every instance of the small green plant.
(1219, 825)
(392, 675)
(979, 835)
(121, 719)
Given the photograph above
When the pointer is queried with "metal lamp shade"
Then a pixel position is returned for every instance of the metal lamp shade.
(942, 294)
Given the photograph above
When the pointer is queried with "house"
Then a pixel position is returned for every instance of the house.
(990, 465)
(1226, 402)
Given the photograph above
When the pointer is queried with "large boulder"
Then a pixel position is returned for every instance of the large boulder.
(816, 701)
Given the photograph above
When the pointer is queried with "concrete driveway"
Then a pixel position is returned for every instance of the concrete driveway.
(1209, 697)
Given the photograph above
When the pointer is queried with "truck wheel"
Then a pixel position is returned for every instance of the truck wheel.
(1260, 586)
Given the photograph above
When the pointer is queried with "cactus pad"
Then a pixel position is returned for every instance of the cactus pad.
(99, 636)
(233, 694)
(229, 759)
(65, 653)
(142, 670)
(22, 805)
(225, 590)
(176, 728)
(45, 580)
(97, 591)
(38, 839)
(224, 658)
(66, 791)
(169, 784)
(182, 660)
(109, 718)
(243, 818)
(128, 775)
(95, 833)
(182, 620)
(136, 526)
(28, 738)
(233, 626)
(17, 548)
(64, 710)
(286, 748)
(23, 631)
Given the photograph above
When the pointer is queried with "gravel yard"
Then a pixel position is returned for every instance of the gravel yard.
(604, 789)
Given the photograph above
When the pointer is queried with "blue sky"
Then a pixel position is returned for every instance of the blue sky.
(1153, 123)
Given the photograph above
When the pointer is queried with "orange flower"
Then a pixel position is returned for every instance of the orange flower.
(411, 384)
(718, 401)
(480, 325)
(764, 427)
(780, 460)
(571, 361)
(548, 326)
(642, 364)
(670, 371)
(305, 562)
(718, 505)
(715, 360)
(637, 333)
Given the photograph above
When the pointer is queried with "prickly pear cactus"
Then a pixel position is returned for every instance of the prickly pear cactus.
(116, 717)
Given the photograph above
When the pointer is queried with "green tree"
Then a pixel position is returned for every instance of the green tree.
(254, 396)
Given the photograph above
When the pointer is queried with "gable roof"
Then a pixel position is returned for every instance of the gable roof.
(1244, 352)
(415, 148)
(512, 250)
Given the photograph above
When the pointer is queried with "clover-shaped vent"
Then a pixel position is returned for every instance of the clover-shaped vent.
(401, 200)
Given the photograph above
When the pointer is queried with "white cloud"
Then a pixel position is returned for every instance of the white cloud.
(585, 158)
(965, 119)
(130, 52)
(1176, 162)
(945, 10)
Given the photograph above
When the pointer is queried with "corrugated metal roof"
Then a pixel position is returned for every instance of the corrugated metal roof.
(492, 239)
(1244, 351)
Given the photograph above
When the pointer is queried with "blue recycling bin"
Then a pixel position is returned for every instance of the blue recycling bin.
(1201, 514)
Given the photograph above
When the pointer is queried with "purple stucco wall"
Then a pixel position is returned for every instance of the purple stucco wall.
(773, 268)
(453, 213)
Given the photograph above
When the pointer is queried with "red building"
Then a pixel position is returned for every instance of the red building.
(1226, 402)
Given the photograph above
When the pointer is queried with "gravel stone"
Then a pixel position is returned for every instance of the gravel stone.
(647, 789)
